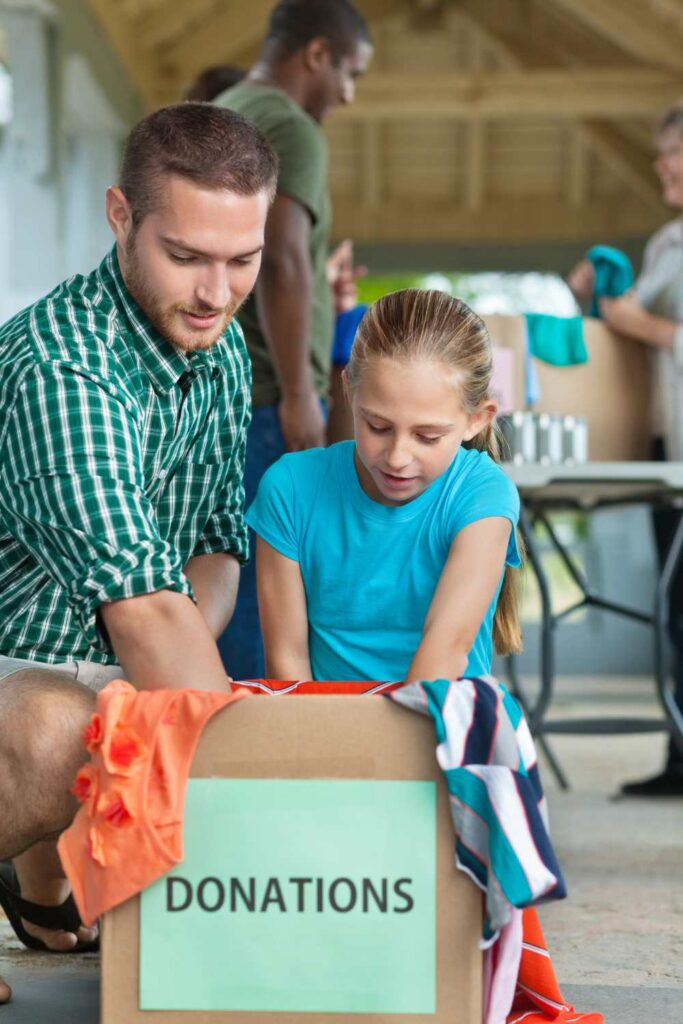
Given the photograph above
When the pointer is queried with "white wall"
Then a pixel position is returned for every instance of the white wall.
(58, 153)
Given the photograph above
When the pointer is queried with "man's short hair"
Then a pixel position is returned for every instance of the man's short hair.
(211, 146)
(671, 118)
(293, 23)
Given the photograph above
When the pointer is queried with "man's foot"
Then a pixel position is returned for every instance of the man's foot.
(42, 914)
(56, 941)
(667, 783)
(5, 992)
(53, 892)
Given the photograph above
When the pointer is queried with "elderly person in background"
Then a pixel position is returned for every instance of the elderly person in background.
(652, 312)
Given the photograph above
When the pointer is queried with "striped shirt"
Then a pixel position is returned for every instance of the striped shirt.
(120, 458)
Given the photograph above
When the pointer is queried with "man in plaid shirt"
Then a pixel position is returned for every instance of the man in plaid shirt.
(124, 405)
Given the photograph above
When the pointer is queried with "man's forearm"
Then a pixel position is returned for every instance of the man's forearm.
(214, 580)
(161, 641)
(284, 299)
(661, 332)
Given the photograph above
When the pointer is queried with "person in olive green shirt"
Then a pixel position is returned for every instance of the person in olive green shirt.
(313, 53)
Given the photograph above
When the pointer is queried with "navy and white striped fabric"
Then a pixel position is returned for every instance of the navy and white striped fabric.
(487, 755)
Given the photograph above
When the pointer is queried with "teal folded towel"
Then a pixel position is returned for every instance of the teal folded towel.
(613, 274)
(556, 339)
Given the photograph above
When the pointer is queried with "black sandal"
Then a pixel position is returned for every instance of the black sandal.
(65, 917)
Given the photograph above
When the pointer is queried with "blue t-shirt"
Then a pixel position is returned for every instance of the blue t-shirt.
(370, 570)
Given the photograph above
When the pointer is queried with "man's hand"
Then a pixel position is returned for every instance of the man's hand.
(301, 421)
(342, 276)
(581, 280)
(626, 315)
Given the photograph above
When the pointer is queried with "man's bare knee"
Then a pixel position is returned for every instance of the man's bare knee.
(42, 715)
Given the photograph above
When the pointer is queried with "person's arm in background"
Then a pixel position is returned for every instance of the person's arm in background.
(626, 315)
(284, 301)
(463, 595)
(283, 614)
(342, 277)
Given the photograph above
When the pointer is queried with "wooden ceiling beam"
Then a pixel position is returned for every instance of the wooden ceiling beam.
(519, 218)
(136, 62)
(605, 93)
(634, 26)
(669, 12)
(221, 39)
(628, 160)
(166, 23)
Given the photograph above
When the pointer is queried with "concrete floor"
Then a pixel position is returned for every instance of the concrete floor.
(616, 942)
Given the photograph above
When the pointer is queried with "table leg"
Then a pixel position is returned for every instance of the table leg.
(662, 643)
(547, 661)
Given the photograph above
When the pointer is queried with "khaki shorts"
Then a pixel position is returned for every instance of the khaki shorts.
(88, 673)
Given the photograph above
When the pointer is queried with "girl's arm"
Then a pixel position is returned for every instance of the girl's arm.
(465, 590)
(283, 614)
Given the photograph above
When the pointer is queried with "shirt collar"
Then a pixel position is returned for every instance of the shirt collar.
(164, 363)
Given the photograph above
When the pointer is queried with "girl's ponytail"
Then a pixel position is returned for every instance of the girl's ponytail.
(507, 630)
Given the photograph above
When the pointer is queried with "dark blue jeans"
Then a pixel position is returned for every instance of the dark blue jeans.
(241, 644)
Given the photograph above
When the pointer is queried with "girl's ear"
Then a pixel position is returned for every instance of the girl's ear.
(481, 419)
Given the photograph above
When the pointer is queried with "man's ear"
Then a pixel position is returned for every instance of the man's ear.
(480, 419)
(119, 214)
(317, 53)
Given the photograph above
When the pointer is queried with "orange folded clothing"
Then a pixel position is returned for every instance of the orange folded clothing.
(129, 830)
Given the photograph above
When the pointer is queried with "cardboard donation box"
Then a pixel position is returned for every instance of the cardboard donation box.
(318, 882)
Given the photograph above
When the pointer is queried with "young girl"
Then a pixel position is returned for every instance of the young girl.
(388, 557)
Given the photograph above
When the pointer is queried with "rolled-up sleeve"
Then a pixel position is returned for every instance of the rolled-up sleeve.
(71, 491)
(225, 530)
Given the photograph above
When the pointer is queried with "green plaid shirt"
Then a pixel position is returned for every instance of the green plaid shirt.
(120, 459)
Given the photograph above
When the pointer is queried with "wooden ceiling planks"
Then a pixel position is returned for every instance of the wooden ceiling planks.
(528, 116)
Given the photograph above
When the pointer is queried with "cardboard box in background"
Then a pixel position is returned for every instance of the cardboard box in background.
(611, 390)
(321, 738)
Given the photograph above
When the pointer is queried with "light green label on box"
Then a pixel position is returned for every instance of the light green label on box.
(297, 895)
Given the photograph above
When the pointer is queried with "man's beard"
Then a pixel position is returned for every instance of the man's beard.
(166, 319)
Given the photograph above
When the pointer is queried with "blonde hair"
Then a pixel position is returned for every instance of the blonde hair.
(431, 325)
